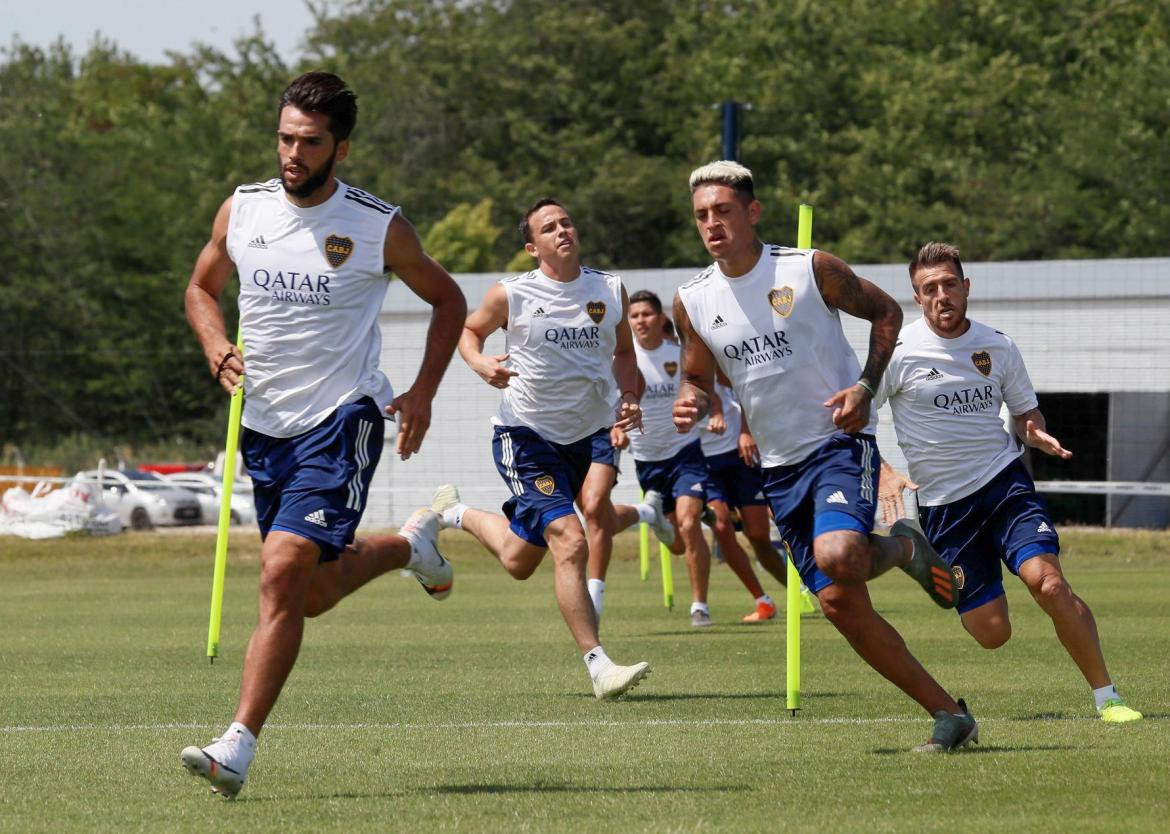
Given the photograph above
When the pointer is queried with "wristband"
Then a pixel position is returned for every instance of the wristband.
(223, 364)
(631, 393)
(868, 386)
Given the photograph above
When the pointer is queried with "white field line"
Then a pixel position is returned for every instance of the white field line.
(493, 725)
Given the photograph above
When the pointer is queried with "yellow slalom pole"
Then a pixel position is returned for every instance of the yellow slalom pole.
(644, 547)
(667, 577)
(792, 599)
(225, 514)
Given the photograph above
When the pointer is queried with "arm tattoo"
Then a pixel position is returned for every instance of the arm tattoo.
(842, 288)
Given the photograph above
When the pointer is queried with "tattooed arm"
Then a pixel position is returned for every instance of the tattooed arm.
(841, 288)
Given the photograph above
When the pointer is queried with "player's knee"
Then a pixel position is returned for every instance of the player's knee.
(846, 618)
(993, 635)
(723, 527)
(689, 526)
(1052, 591)
(841, 561)
(283, 583)
(597, 510)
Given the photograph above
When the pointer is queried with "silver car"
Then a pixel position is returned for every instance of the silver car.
(207, 487)
(143, 500)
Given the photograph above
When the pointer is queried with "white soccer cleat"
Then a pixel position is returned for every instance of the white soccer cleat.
(214, 763)
(618, 680)
(446, 497)
(430, 567)
(661, 525)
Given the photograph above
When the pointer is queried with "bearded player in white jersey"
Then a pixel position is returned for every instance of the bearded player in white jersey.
(769, 318)
(312, 254)
(946, 384)
(567, 343)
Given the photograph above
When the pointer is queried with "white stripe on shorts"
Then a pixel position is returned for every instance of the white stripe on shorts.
(508, 459)
(362, 455)
(867, 447)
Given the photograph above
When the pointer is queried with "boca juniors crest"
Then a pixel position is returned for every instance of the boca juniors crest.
(338, 249)
(960, 577)
(596, 311)
(982, 361)
(781, 300)
(545, 484)
(670, 368)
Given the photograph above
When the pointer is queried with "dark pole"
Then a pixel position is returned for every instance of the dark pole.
(731, 130)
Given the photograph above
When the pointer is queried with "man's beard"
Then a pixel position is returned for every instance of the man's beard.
(313, 181)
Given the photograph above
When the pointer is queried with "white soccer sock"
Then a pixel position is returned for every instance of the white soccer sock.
(645, 513)
(596, 592)
(235, 747)
(453, 516)
(1104, 694)
(765, 599)
(700, 606)
(597, 661)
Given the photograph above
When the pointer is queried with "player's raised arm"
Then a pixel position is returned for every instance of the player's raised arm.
(843, 289)
(1033, 430)
(492, 315)
(404, 254)
(698, 373)
(213, 269)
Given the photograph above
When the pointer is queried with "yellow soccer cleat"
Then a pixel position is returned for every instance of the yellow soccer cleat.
(1116, 712)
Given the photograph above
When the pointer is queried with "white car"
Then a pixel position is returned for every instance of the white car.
(207, 487)
(144, 500)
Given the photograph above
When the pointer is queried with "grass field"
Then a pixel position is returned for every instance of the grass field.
(475, 714)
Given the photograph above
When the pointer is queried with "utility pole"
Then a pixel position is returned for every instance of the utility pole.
(731, 129)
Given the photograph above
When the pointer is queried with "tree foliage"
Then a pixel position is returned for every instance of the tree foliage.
(1017, 130)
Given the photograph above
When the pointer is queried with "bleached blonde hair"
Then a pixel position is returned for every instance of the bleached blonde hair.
(725, 172)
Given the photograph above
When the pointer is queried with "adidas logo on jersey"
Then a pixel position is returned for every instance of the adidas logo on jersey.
(257, 243)
(718, 322)
(934, 374)
(1043, 528)
(317, 517)
(837, 497)
(539, 313)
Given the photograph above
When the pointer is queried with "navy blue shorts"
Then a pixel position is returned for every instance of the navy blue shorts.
(544, 478)
(733, 482)
(316, 484)
(603, 449)
(834, 488)
(1004, 522)
(683, 474)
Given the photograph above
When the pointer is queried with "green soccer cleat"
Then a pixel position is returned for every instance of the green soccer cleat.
(951, 731)
(1114, 711)
(807, 602)
(926, 567)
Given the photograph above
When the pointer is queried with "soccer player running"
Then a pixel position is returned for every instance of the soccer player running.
(312, 254)
(946, 383)
(769, 318)
(567, 342)
(734, 482)
(671, 467)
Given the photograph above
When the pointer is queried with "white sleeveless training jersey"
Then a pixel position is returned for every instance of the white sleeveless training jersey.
(658, 439)
(561, 338)
(781, 347)
(946, 396)
(718, 444)
(312, 282)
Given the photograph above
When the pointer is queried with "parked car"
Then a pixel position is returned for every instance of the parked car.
(144, 500)
(207, 487)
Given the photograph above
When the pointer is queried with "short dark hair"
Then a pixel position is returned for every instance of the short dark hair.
(525, 229)
(935, 254)
(647, 297)
(324, 92)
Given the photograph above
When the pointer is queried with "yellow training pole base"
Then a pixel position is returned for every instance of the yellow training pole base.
(792, 642)
(667, 577)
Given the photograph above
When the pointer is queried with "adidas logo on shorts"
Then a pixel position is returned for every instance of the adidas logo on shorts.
(837, 497)
(317, 517)
(257, 243)
(1043, 528)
